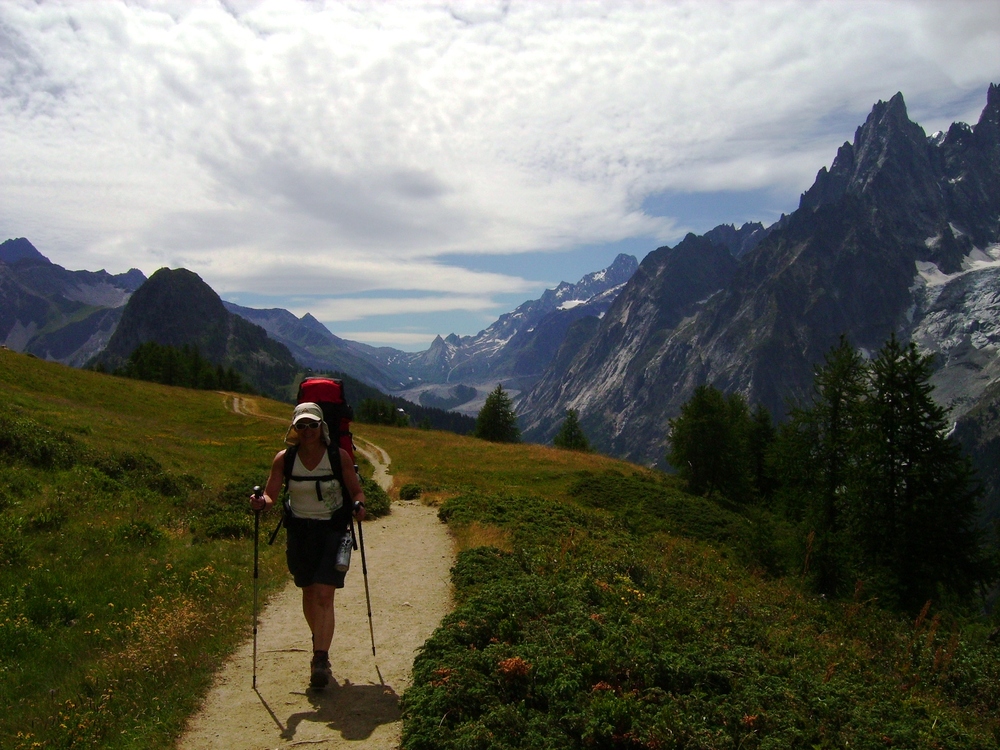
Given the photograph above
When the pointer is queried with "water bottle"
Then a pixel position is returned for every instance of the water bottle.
(343, 560)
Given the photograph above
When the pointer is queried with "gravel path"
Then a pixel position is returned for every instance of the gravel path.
(409, 555)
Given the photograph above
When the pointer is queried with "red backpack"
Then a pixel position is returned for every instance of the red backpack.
(337, 413)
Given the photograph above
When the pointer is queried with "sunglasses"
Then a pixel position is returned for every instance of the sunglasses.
(306, 424)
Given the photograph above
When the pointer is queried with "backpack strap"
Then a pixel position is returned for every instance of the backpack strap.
(336, 472)
(333, 453)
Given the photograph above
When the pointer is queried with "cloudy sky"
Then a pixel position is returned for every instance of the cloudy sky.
(403, 169)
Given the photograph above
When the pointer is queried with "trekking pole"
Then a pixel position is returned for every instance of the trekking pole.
(256, 574)
(364, 571)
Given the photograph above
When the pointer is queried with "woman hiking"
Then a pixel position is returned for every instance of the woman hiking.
(323, 492)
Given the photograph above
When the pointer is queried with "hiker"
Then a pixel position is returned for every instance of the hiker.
(318, 522)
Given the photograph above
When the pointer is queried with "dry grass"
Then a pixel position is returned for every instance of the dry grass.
(475, 534)
(443, 462)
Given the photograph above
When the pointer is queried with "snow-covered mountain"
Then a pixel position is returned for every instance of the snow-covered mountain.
(898, 236)
(521, 343)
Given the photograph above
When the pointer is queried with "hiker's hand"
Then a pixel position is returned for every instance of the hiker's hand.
(359, 511)
(258, 502)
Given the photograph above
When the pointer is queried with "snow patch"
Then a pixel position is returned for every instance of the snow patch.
(571, 303)
(977, 260)
(931, 274)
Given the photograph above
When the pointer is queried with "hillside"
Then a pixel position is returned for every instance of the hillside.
(53, 313)
(597, 603)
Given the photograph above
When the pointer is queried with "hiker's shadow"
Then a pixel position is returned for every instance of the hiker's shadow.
(353, 710)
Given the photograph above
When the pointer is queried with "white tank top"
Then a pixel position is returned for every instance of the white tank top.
(303, 497)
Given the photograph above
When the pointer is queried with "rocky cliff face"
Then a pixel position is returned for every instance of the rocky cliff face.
(56, 314)
(894, 202)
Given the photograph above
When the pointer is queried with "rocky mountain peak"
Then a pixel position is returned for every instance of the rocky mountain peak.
(737, 241)
(12, 251)
(991, 112)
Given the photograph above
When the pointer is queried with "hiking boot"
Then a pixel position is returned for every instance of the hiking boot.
(320, 672)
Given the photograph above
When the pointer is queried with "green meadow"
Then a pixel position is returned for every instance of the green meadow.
(126, 551)
(597, 604)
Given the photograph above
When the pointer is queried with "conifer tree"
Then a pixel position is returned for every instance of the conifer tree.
(917, 524)
(571, 435)
(709, 444)
(817, 454)
(884, 495)
(496, 421)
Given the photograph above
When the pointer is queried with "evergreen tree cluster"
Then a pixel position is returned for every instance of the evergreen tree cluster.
(882, 496)
(377, 411)
(719, 446)
(183, 367)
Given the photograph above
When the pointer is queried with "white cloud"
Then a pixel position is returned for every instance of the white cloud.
(340, 309)
(345, 146)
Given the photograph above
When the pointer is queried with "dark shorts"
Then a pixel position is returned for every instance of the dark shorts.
(312, 551)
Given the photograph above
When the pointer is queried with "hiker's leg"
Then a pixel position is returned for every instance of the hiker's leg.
(317, 605)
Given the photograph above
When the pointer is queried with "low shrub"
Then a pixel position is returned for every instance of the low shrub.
(601, 631)
(140, 533)
(377, 502)
(23, 439)
(409, 491)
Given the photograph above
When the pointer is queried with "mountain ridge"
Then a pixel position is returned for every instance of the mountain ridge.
(845, 262)
(56, 314)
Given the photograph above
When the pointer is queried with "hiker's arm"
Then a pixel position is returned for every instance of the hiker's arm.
(353, 484)
(273, 487)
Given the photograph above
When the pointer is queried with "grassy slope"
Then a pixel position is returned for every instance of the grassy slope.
(113, 613)
(574, 627)
(600, 606)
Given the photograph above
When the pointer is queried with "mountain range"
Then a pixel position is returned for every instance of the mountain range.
(177, 308)
(899, 235)
(55, 314)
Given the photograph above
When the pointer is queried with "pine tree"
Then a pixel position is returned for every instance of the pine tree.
(709, 444)
(496, 421)
(817, 452)
(917, 524)
(571, 436)
(883, 494)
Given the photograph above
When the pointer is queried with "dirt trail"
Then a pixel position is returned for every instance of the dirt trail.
(409, 555)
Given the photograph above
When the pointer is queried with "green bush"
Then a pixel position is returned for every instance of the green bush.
(16, 483)
(50, 517)
(601, 631)
(377, 503)
(23, 439)
(409, 491)
(13, 547)
(140, 533)
(226, 514)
